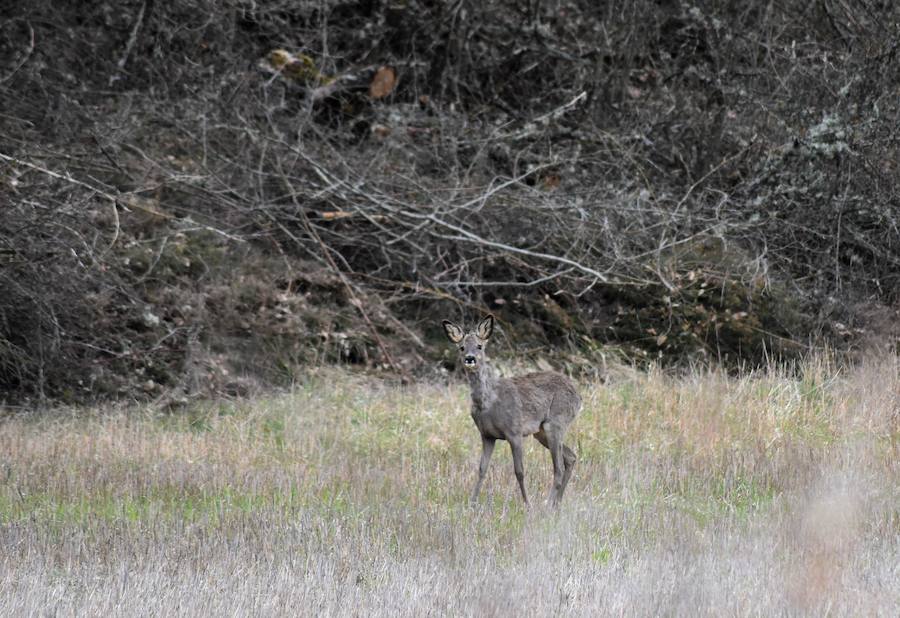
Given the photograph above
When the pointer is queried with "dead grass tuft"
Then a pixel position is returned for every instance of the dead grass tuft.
(705, 494)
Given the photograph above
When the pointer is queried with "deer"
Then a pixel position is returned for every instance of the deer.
(541, 404)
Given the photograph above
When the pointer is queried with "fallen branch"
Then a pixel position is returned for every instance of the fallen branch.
(119, 200)
(467, 236)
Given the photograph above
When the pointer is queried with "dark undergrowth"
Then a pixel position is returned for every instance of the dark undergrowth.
(185, 212)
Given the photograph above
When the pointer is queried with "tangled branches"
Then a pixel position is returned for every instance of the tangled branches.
(679, 182)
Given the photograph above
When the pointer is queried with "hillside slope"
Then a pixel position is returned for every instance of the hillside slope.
(183, 210)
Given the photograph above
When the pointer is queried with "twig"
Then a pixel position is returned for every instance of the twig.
(715, 169)
(515, 284)
(534, 126)
(354, 299)
(351, 292)
(24, 59)
(116, 199)
(67, 177)
(562, 109)
(465, 235)
(468, 236)
(115, 210)
(132, 39)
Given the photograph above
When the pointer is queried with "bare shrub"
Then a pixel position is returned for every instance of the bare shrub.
(704, 182)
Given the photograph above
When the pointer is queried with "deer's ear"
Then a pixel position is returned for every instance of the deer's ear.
(454, 333)
(485, 327)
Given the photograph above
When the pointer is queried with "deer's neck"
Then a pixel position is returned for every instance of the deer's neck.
(483, 383)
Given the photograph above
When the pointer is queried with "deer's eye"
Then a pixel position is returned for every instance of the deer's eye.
(461, 348)
(479, 346)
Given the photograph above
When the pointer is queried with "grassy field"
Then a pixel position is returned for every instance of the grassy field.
(699, 495)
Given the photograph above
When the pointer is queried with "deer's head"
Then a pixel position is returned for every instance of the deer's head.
(472, 344)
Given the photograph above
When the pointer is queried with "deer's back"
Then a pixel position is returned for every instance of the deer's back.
(547, 394)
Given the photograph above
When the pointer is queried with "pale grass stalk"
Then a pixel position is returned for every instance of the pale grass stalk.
(768, 494)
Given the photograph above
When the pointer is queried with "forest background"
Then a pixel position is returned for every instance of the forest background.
(199, 197)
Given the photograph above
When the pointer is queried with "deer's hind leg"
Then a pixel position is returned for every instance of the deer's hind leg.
(569, 458)
(551, 437)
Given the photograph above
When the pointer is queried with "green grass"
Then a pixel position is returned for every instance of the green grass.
(700, 494)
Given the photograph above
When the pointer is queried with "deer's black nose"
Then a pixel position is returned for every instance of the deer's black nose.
(469, 359)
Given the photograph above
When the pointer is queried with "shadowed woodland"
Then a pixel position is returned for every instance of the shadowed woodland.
(201, 196)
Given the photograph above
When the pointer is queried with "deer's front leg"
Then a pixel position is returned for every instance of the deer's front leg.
(487, 449)
(515, 444)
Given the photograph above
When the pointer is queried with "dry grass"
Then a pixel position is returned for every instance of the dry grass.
(760, 495)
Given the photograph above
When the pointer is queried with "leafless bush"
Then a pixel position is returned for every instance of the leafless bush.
(683, 181)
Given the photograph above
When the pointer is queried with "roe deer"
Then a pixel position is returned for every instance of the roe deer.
(541, 404)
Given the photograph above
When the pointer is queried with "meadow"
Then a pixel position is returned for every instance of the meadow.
(776, 492)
